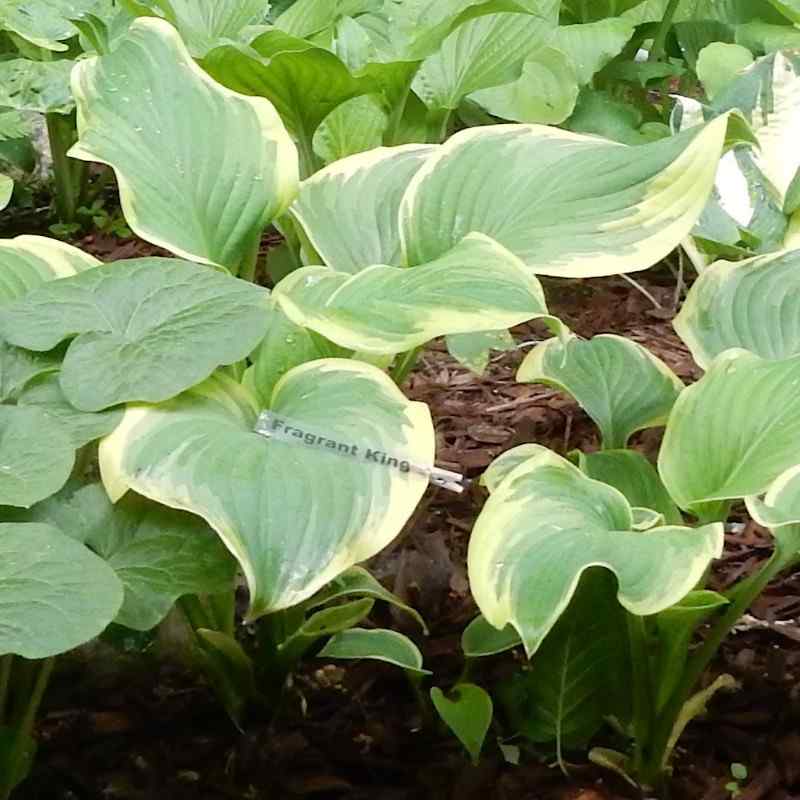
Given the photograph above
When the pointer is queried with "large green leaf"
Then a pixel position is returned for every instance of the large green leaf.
(719, 64)
(161, 554)
(36, 456)
(206, 198)
(566, 204)
(365, 192)
(546, 523)
(55, 594)
(620, 384)
(478, 286)
(146, 329)
(29, 261)
(751, 305)
(203, 23)
(733, 432)
(304, 82)
(41, 86)
(295, 509)
(306, 17)
(577, 677)
(486, 51)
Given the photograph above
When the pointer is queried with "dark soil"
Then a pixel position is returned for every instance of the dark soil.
(355, 731)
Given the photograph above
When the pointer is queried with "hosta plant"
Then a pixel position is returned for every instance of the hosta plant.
(598, 565)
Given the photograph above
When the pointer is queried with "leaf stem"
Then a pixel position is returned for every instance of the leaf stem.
(660, 40)
(6, 665)
(643, 706)
(24, 730)
(404, 364)
(742, 597)
(69, 175)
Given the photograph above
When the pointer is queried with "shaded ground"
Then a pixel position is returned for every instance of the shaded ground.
(355, 731)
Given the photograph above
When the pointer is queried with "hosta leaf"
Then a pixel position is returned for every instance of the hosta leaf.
(779, 510)
(202, 23)
(762, 37)
(734, 431)
(41, 86)
(546, 523)
(481, 639)
(45, 393)
(306, 17)
(719, 64)
(751, 305)
(295, 515)
(620, 384)
(205, 198)
(591, 46)
(631, 473)
(136, 324)
(353, 127)
(6, 190)
(161, 554)
(545, 92)
(365, 191)
(14, 125)
(486, 51)
(472, 350)
(81, 511)
(377, 644)
(358, 582)
(566, 204)
(769, 93)
(29, 261)
(305, 83)
(18, 366)
(44, 23)
(576, 679)
(55, 594)
(417, 28)
(467, 710)
(36, 456)
(479, 285)
(284, 347)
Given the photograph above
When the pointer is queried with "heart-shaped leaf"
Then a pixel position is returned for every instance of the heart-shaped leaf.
(751, 305)
(296, 509)
(733, 432)
(206, 198)
(566, 204)
(146, 329)
(620, 384)
(546, 523)
(55, 593)
(467, 709)
(479, 285)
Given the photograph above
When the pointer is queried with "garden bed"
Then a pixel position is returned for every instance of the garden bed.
(115, 728)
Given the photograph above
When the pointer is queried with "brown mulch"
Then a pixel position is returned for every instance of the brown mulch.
(355, 731)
